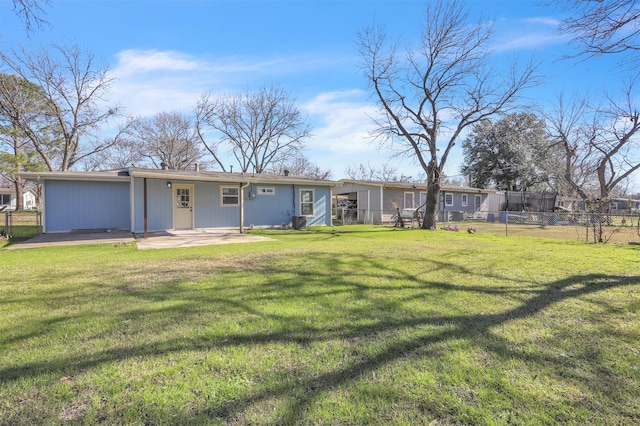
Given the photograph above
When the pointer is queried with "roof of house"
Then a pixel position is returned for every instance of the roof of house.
(12, 190)
(191, 175)
(413, 186)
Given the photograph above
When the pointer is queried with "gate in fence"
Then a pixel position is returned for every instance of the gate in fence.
(22, 224)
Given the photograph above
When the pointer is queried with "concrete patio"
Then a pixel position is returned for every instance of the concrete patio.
(155, 240)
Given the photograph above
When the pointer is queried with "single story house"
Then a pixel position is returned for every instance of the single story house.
(624, 205)
(378, 202)
(8, 199)
(151, 200)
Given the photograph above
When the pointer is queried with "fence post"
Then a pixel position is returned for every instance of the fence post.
(506, 224)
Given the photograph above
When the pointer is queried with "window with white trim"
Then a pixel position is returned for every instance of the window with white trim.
(448, 199)
(465, 203)
(266, 190)
(229, 196)
(307, 198)
(408, 200)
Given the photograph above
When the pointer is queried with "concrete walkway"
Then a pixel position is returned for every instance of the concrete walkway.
(155, 240)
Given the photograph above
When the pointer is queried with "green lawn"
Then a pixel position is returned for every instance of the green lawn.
(357, 325)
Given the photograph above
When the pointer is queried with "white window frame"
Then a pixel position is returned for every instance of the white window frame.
(465, 200)
(413, 200)
(312, 202)
(448, 203)
(223, 196)
(266, 190)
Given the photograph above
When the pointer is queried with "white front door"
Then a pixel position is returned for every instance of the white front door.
(183, 206)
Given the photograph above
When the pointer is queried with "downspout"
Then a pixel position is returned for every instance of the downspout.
(132, 203)
(241, 201)
(381, 203)
(145, 207)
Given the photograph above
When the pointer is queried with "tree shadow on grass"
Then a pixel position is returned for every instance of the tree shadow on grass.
(380, 306)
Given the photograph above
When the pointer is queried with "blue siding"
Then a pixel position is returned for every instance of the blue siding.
(159, 214)
(457, 201)
(259, 209)
(269, 210)
(321, 205)
(208, 212)
(74, 205)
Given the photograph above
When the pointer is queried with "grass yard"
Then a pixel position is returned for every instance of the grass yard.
(352, 325)
(610, 234)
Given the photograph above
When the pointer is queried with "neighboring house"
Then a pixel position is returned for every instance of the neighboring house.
(150, 200)
(622, 205)
(378, 202)
(568, 203)
(8, 199)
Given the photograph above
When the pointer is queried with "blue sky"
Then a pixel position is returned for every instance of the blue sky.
(165, 54)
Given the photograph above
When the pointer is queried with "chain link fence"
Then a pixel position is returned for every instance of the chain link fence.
(578, 226)
(21, 225)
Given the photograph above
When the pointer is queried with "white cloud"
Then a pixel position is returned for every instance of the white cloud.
(343, 119)
(152, 81)
(543, 20)
(342, 134)
(141, 61)
(149, 82)
(529, 41)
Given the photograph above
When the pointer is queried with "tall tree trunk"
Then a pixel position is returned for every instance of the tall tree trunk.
(17, 180)
(431, 207)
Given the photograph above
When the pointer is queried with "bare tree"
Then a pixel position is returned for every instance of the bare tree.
(125, 153)
(615, 142)
(260, 127)
(31, 12)
(437, 89)
(367, 172)
(567, 128)
(299, 165)
(599, 145)
(167, 137)
(603, 27)
(73, 93)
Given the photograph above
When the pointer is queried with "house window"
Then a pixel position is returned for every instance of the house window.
(478, 202)
(448, 199)
(464, 200)
(183, 198)
(408, 200)
(229, 196)
(307, 197)
(266, 191)
(5, 199)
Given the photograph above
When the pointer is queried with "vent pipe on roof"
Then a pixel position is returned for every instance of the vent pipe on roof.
(197, 167)
(286, 172)
(164, 166)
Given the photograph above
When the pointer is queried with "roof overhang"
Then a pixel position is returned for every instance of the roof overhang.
(86, 176)
(186, 175)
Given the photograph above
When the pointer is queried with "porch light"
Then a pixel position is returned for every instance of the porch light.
(169, 184)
